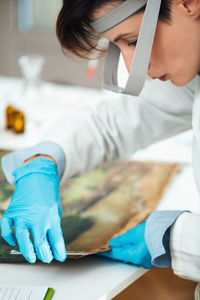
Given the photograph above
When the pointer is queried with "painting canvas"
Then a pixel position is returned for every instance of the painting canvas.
(102, 204)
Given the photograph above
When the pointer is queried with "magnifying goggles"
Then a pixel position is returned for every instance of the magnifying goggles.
(140, 62)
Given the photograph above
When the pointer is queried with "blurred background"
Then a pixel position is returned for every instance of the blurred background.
(28, 27)
(38, 82)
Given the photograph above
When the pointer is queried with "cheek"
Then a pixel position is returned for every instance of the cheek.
(170, 51)
(166, 46)
(160, 56)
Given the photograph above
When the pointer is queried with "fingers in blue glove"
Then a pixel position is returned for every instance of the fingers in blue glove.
(131, 236)
(119, 253)
(131, 247)
(41, 244)
(36, 203)
(25, 243)
(128, 254)
(6, 231)
(57, 244)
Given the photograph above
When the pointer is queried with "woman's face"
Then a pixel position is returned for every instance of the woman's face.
(176, 49)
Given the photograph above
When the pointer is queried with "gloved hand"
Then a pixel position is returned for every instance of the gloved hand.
(35, 206)
(130, 247)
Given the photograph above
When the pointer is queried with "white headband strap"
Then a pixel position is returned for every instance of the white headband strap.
(117, 15)
(143, 49)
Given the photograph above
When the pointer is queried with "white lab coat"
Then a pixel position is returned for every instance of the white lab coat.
(185, 233)
(114, 129)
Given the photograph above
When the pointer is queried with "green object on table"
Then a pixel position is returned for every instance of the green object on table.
(49, 294)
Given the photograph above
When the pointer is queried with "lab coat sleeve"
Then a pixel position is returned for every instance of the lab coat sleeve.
(157, 236)
(185, 246)
(114, 129)
(15, 159)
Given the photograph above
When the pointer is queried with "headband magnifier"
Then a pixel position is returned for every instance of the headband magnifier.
(140, 62)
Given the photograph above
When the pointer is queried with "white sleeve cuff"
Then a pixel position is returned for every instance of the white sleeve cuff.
(185, 246)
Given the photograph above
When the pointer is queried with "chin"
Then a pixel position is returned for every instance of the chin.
(174, 82)
(181, 82)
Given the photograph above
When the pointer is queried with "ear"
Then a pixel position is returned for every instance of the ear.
(190, 7)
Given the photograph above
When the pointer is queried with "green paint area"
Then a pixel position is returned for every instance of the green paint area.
(74, 225)
(6, 190)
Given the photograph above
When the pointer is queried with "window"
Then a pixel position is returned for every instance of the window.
(37, 15)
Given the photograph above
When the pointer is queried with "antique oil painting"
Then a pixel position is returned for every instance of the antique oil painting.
(104, 203)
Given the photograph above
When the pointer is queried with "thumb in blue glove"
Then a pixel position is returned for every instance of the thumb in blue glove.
(35, 207)
(130, 247)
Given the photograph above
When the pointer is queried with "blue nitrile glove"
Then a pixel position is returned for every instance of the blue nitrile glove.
(130, 247)
(35, 206)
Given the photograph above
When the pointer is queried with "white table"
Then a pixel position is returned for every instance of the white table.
(94, 277)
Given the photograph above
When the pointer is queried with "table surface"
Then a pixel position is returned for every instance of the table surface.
(94, 277)
(90, 278)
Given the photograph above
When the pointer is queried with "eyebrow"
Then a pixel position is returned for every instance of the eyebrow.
(121, 36)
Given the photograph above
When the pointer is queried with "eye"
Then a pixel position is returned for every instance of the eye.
(131, 44)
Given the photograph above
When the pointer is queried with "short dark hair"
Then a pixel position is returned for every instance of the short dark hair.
(73, 25)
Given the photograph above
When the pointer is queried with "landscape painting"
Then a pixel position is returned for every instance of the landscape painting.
(101, 204)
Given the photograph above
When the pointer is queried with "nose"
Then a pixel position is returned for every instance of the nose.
(128, 57)
(149, 72)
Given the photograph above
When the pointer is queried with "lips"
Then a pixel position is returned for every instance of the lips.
(163, 78)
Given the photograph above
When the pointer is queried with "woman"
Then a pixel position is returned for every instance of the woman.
(113, 130)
